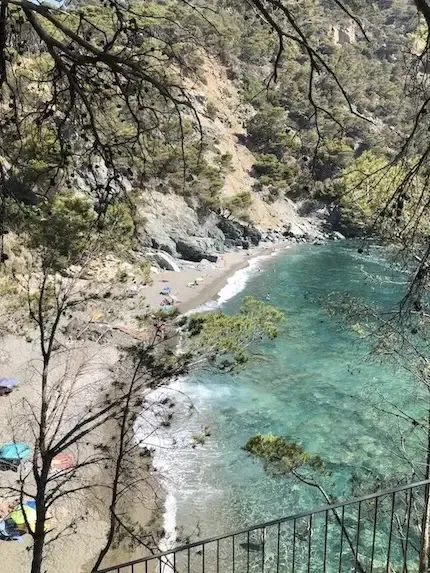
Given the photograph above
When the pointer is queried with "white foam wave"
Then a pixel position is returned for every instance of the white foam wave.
(146, 432)
(237, 282)
(145, 427)
(169, 526)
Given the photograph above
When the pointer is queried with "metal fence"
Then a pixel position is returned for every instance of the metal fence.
(378, 533)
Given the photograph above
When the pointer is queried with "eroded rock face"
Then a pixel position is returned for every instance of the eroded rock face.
(293, 231)
(181, 230)
(253, 234)
(235, 231)
(344, 34)
(170, 221)
(191, 251)
(231, 229)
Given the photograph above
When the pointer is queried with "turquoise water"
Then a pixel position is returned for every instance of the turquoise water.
(315, 384)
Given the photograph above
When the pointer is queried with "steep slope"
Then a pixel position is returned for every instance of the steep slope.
(170, 217)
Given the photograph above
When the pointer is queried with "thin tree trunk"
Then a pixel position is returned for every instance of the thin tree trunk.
(425, 527)
(39, 533)
(313, 483)
(117, 475)
(41, 478)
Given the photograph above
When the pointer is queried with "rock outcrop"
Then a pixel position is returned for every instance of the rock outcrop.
(193, 251)
(344, 34)
(164, 261)
(175, 225)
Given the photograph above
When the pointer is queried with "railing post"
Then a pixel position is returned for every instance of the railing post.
(361, 525)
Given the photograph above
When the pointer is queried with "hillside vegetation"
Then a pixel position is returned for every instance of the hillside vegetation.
(243, 145)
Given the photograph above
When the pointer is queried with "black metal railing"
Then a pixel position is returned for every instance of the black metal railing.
(377, 533)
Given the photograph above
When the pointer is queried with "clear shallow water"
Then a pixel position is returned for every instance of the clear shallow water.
(314, 384)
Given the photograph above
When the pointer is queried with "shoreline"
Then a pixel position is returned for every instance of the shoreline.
(214, 291)
(157, 512)
(198, 285)
(211, 294)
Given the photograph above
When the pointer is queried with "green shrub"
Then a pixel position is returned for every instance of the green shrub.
(237, 205)
(273, 172)
(63, 229)
(144, 268)
(118, 227)
(267, 131)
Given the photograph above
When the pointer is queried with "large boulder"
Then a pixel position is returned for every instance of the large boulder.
(231, 229)
(337, 236)
(253, 235)
(345, 221)
(192, 251)
(169, 218)
(294, 231)
(235, 231)
(230, 243)
(165, 261)
(167, 247)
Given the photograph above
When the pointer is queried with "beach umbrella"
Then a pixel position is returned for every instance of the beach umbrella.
(62, 462)
(166, 289)
(12, 451)
(22, 514)
(8, 383)
(8, 531)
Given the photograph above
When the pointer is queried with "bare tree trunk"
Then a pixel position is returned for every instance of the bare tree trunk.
(425, 527)
(40, 529)
(38, 543)
(41, 478)
(125, 417)
(313, 483)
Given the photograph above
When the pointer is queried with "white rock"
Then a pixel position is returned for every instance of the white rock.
(338, 236)
(166, 262)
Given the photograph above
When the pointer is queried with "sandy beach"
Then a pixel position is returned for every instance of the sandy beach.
(192, 287)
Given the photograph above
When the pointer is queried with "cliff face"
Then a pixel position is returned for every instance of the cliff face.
(246, 159)
(279, 158)
(172, 220)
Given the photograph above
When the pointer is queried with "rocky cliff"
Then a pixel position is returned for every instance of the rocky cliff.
(177, 225)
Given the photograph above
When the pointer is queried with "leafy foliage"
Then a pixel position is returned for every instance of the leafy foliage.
(268, 131)
(63, 231)
(280, 455)
(236, 205)
(225, 339)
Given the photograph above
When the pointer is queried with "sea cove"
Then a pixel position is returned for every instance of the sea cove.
(316, 384)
